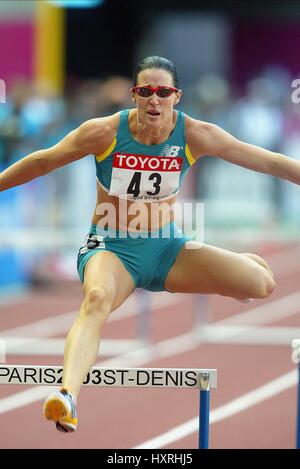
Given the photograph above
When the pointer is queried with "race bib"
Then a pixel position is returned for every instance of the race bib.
(142, 177)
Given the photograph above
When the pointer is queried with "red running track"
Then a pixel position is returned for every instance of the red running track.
(126, 418)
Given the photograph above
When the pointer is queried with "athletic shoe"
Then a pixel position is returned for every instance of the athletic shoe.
(61, 408)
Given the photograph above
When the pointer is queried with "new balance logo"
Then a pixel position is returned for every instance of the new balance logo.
(170, 150)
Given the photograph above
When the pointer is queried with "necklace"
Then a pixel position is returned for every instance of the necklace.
(143, 128)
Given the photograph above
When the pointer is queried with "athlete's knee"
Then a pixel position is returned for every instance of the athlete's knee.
(270, 285)
(96, 295)
(264, 284)
(259, 260)
(97, 301)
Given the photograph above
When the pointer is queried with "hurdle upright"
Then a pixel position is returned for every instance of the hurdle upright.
(190, 378)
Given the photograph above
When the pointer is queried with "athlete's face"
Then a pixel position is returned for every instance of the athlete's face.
(153, 109)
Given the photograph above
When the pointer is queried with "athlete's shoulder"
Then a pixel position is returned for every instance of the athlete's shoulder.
(98, 133)
(100, 126)
(205, 138)
(196, 125)
(197, 132)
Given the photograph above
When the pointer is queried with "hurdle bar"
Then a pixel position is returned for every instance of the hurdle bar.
(189, 378)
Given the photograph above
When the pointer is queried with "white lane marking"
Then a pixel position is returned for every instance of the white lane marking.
(61, 323)
(55, 347)
(43, 327)
(23, 398)
(272, 311)
(250, 399)
(249, 335)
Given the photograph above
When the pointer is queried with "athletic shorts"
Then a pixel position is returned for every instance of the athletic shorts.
(148, 256)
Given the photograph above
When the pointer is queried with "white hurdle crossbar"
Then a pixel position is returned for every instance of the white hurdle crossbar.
(190, 378)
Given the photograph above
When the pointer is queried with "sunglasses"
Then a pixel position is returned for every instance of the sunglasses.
(147, 91)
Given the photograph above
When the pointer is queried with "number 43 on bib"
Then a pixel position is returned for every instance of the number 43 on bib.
(145, 177)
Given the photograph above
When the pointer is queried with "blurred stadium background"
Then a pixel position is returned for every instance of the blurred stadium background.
(67, 61)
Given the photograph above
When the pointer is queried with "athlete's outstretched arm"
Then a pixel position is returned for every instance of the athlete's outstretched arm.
(87, 139)
(209, 139)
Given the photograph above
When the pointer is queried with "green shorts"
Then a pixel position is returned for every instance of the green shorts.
(147, 259)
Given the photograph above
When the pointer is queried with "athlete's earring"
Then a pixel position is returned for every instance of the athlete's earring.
(178, 96)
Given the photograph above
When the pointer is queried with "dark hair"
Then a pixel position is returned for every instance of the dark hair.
(156, 62)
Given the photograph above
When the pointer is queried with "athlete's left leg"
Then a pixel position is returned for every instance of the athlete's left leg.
(200, 268)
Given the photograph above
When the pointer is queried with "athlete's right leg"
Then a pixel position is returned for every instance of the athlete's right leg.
(107, 284)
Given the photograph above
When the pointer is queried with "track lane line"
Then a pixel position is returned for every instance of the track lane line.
(61, 323)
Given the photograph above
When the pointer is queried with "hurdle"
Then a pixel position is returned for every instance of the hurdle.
(190, 378)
